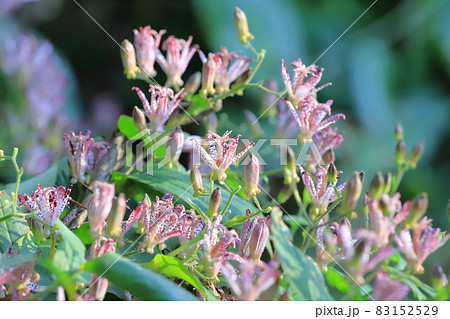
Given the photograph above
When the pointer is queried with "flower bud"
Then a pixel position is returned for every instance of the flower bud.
(193, 83)
(418, 208)
(328, 157)
(254, 125)
(211, 122)
(284, 194)
(398, 131)
(196, 181)
(116, 216)
(352, 192)
(208, 75)
(439, 278)
(290, 170)
(99, 285)
(174, 147)
(214, 202)
(240, 21)
(99, 206)
(259, 237)
(377, 186)
(332, 173)
(251, 172)
(129, 60)
(400, 152)
(416, 154)
(139, 119)
(387, 183)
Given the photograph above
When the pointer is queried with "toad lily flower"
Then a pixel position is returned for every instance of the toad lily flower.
(48, 202)
(147, 42)
(160, 221)
(160, 107)
(255, 278)
(297, 89)
(387, 289)
(327, 139)
(311, 118)
(221, 153)
(322, 193)
(179, 53)
(192, 227)
(227, 73)
(385, 215)
(216, 241)
(425, 240)
(78, 148)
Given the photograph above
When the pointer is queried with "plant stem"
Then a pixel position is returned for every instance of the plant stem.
(232, 193)
(398, 178)
(301, 207)
(19, 172)
(173, 253)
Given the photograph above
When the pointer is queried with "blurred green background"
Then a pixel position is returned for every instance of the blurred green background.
(392, 65)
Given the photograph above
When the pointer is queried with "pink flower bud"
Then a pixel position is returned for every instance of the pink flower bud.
(99, 206)
(193, 83)
(352, 192)
(377, 186)
(209, 74)
(251, 171)
(139, 119)
(174, 147)
(99, 285)
(128, 55)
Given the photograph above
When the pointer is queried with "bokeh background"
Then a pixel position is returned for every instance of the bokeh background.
(60, 71)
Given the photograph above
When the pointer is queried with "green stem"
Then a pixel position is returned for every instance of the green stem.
(19, 172)
(188, 244)
(52, 249)
(232, 193)
(198, 209)
(255, 199)
(398, 178)
(299, 202)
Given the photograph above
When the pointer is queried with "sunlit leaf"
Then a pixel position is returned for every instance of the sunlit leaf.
(301, 271)
(141, 282)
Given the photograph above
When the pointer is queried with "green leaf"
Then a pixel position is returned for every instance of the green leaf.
(13, 230)
(179, 184)
(139, 281)
(199, 104)
(337, 280)
(301, 271)
(83, 234)
(70, 254)
(126, 126)
(173, 267)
